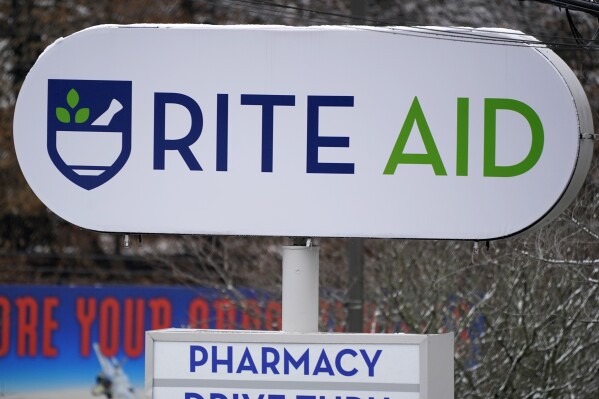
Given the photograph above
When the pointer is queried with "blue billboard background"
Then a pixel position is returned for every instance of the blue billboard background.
(47, 332)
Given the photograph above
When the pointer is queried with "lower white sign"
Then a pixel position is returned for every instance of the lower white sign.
(200, 364)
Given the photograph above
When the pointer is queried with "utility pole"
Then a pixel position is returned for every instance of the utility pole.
(355, 246)
(355, 293)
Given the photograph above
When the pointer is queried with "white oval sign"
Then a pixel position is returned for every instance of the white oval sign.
(341, 131)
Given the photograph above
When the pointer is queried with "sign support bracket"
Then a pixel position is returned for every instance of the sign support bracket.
(300, 293)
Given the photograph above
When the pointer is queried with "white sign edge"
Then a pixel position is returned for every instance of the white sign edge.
(435, 384)
(585, 144)
(578, 96)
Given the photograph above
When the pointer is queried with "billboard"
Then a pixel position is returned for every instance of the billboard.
(61, 341)
(318, 131)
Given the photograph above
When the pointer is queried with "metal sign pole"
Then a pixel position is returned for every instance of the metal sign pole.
(300, 287)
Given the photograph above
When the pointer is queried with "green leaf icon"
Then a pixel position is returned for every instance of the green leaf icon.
(82, 115)
(63, 115)
(73, 98)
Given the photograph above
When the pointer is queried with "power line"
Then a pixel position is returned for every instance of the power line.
(391, 27)
(589, 7)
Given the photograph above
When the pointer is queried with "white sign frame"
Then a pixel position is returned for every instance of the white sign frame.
(435, 370)
(339, 98)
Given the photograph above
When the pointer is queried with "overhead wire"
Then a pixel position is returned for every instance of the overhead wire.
(589, 7)
(480, 35)
(575, 32)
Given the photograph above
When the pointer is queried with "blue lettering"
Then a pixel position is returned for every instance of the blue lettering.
(288, 359)
(347, 373)
(270, 364)
(193, 361)
(161, 144)
(222, 132)
(323, 365)
(247, 363)
(371, 362)
(228, 361)
(268, 102)
(193, 395)
(305, 397)
(315, 141)
(276, 396)
(217, 396)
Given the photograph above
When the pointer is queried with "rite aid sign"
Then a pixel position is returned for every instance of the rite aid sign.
(203, 364)
(323, 131)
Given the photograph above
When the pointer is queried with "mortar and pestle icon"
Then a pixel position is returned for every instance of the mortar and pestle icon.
(89, 152)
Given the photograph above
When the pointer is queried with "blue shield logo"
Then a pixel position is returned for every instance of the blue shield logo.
(89, 129)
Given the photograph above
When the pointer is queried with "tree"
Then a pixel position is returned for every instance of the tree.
(524, 311)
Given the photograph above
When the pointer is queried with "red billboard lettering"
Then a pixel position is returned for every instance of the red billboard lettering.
(86, 314)
(125, 318)
(198, 313)
(250, 319)
(4, 326)
(27, 316)
(110, 312)
(161, 313)
(225, 313)
(31, 326)
(134, 327)
(49, 325)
